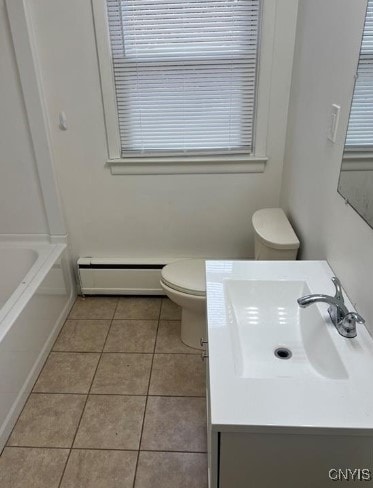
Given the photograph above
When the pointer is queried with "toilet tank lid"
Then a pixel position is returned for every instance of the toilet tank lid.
(186, 275)
(273, 228)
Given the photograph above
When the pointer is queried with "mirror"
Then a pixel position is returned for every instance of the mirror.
(356, 177)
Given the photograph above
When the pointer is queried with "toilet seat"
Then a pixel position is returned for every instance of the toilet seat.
(186, 276)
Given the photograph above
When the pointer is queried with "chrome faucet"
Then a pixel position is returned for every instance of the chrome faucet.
(344, 321)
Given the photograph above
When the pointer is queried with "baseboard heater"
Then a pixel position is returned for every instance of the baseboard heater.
(121, 276)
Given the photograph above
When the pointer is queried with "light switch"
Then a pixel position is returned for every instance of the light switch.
(334, 121)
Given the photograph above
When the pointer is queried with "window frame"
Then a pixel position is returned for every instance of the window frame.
(359, 151)
(358, 157)
(234, 163)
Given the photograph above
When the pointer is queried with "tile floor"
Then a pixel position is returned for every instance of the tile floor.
(120, 403)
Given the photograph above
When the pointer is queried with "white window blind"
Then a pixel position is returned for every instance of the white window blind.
(360, 127)
(185, 75)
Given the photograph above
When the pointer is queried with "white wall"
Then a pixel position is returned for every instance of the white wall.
(172, 215)
(327, 47)
(21, 205)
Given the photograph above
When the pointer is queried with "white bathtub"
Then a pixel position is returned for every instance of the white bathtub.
(36, 294)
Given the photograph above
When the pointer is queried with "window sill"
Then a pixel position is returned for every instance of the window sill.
(188, 165)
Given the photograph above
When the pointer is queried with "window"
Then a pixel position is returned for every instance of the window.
(185, 75)
(198, 86)
(360, 127)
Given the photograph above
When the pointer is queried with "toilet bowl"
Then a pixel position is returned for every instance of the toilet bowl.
(184, 281)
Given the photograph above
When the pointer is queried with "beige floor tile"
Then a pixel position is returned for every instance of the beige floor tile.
(131, 336)
(100, 469)
(82, 336)
(177, 374)
(94, 308)
(111, 422)
(138, 308)
(126, 374)
(48, 421)
(67, 372)
(175, 424)
(169, 310)
(171, 470)
(32, 468)
(168, 338)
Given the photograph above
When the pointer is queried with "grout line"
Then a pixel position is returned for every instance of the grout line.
(147, 319)
(58, 393)
(117, 394)
(179, 353)
(75, 352)
(173, 450)
(176, 396)
(102, 352)
(198, 353)
(147, 394)
(66, 448)
(101, 449)
(106, 319)
(86, 400)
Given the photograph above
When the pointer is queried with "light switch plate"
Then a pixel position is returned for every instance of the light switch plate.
(334, 121)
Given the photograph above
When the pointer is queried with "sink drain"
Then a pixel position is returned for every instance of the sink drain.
(283, 353)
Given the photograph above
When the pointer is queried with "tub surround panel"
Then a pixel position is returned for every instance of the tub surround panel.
(21, 203)
(35, 112)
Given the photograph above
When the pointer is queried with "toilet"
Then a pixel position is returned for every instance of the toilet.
(183, 281)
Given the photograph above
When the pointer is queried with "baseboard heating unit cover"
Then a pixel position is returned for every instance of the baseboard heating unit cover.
(121, 276)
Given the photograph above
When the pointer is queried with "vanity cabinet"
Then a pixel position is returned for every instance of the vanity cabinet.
(260, 460)
(304, 422)
(262, 457)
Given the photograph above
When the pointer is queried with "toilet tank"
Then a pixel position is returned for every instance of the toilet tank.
(275, 238)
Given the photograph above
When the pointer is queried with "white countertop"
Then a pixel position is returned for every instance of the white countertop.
(270, 404)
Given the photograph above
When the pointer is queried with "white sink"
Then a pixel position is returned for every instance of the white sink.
(252, 311)
(272, 337)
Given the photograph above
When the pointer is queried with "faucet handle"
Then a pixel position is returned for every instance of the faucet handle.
(338, 289)
(354, 317)
(347, 326)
